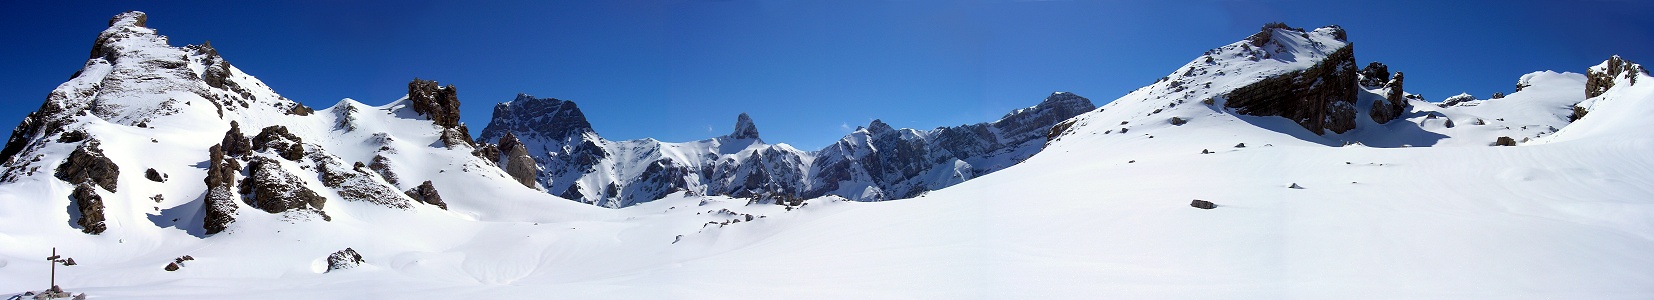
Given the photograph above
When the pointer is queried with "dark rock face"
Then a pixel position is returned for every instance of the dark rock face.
(382, 165)
(235, 143)
(1023, 125)
(90, 206)
(426, 193)
(220, 200)
(87, 164)
(1504, 141)
(518, 163)
(1598, 81)
(1375, 75)
(72, 137)
(344, 259)
(660, 178)
(744, 129)
(270, 188)
(1394, 103)
(276, 137)
(1320, 98)
(1058, 131)
(1203, 204)
(47, 120)
(536, 118)
(153, 175)
(440, 103)
(764, 173)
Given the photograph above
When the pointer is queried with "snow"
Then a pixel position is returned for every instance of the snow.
(1411, 209)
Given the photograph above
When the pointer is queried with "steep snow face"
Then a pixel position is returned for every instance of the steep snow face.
(875, 163)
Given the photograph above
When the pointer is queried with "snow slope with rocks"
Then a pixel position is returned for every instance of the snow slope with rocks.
(1406, 208)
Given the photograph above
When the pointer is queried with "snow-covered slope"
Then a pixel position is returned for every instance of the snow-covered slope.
(876, 162)
(1103, 211)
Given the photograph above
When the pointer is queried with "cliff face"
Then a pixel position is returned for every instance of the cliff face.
(1321, 98)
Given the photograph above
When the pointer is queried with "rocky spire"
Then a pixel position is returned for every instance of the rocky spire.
(744, 129)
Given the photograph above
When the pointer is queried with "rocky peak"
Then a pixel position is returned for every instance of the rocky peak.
(1600, 78)
(878, 127)
(1055, 108)
(1267, 34)
(744, 129)
(129, 18)
(536, 118)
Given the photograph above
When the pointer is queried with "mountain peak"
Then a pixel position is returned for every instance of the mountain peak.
(744, 129)
(129, 18)
(536, 118)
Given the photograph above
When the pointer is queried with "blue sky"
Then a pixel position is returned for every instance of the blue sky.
(807, 71)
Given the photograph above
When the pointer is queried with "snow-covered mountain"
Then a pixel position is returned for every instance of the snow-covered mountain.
(1319, 180)
(208, 147)
(876, 162)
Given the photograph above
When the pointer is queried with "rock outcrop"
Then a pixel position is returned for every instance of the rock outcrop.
(235, 143)
(220, 198)
(1375, 75)
(426, 193)
(272, 189)
(1599, 79)
(439, 103)
(277, 138)
(90, 206)
(1394, 104)
(518, 163)
(356, 183)
(1320, 98)
(87, 164)
(344, 259)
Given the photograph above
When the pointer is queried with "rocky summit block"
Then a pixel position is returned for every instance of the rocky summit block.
(1320, 98)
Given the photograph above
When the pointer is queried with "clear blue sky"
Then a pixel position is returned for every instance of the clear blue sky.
(807, 71)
